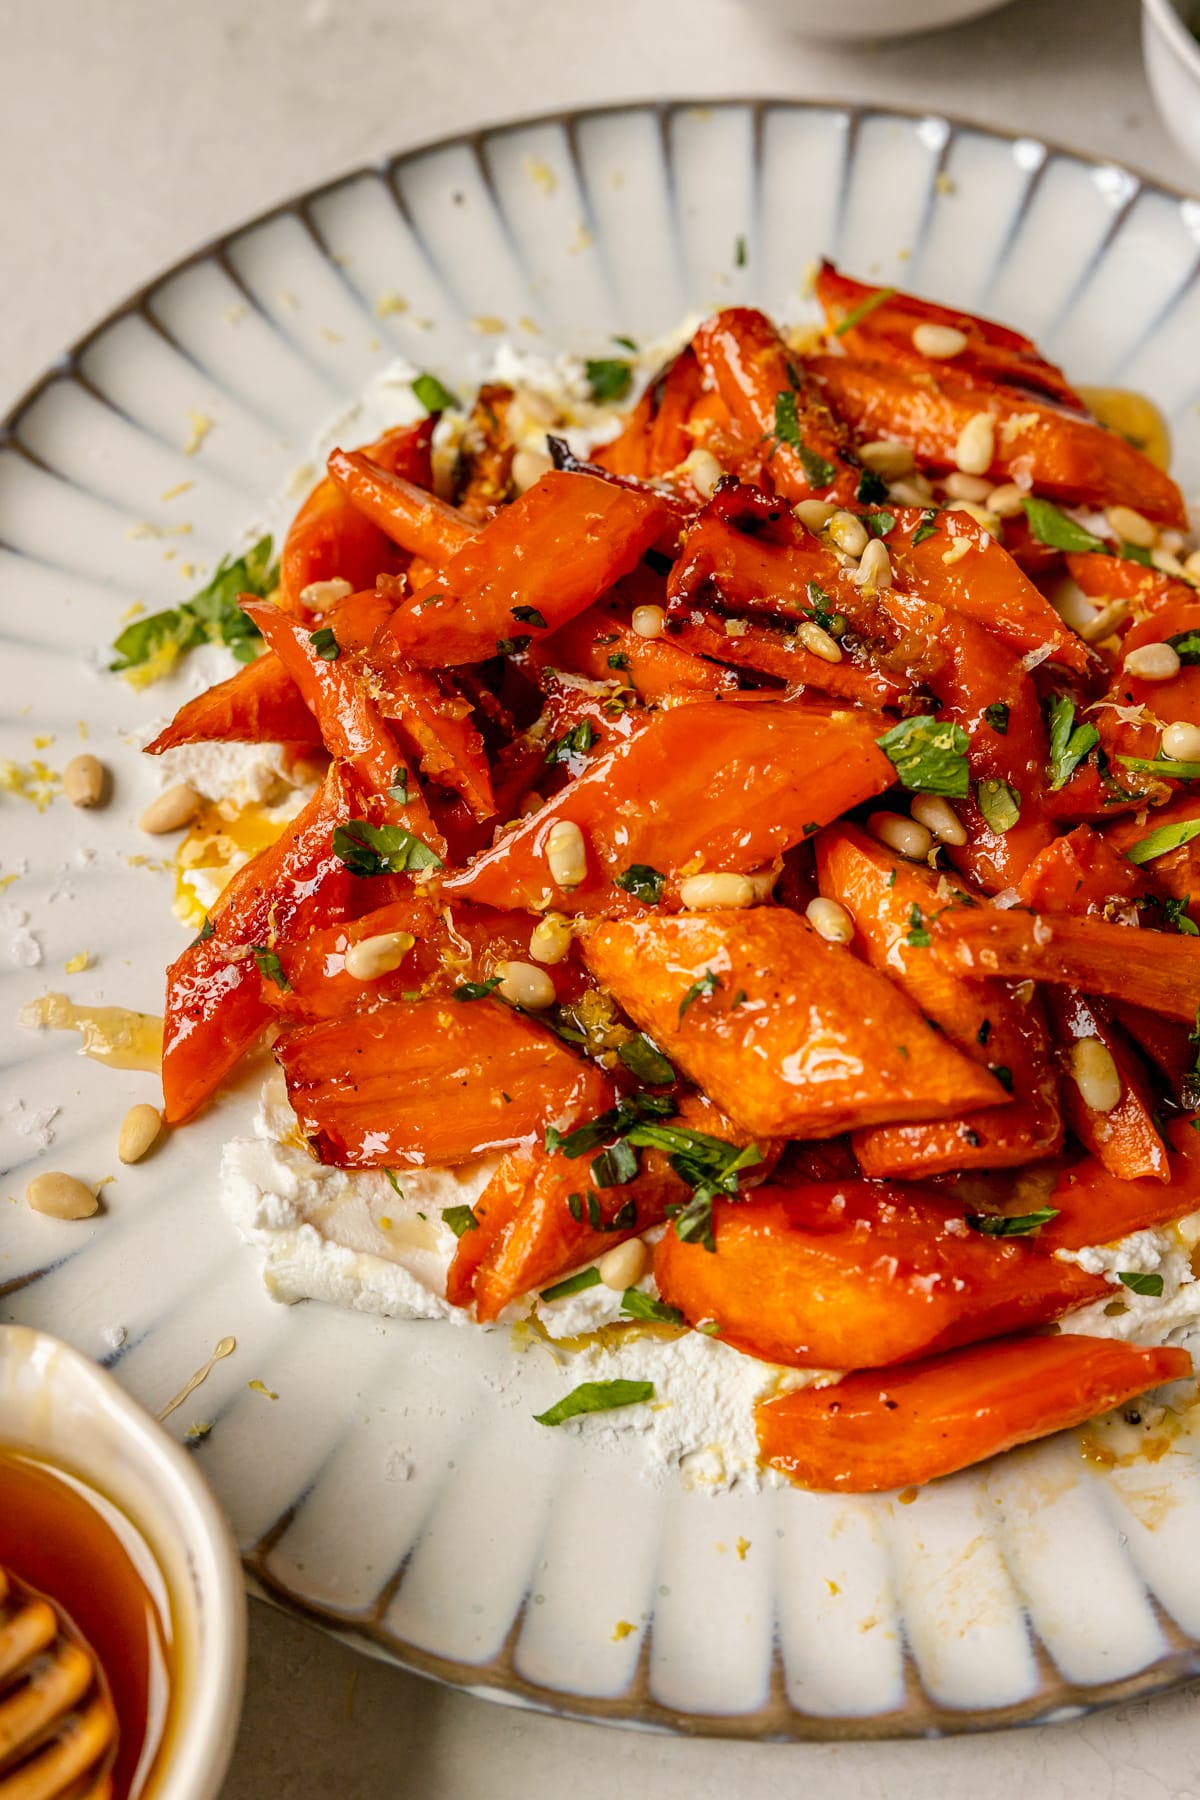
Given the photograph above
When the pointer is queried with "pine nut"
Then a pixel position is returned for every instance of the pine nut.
(61, 1196)
(875, 569)
(906, 837)
(372, 957)
(528, 467)
(980, 514)
(914, 490)
(883, 457)
(938, 816)
(712, 893)
(172, 810)
(1095, 1075)
(1006, 501)
(817, 641)
(967, 487)
(703, 471)
(976, 444)
(830, 920)
(1166, 564)
(1131, 527)
(319, 596)
(848, 533)
(1192, 565)
(649, 621)
(1171, 541)
(523, 984)
(939, 341)
(1103, 623)
(1181, 741)
(140, 1129)
(550, 939)
(566, 854)
(1152, 662)
(84, 780)
(814, 515)
(624, 1265)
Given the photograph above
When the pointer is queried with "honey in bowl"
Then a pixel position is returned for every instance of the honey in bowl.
(63, 1541)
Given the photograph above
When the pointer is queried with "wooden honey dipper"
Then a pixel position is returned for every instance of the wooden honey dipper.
(58, 1730)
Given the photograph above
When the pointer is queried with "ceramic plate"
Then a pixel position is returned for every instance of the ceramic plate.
(396, 1490)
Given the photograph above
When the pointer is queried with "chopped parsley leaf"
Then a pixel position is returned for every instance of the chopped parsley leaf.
(644, 1306)
(1176, 911)
(325, 643)
(996, 715)
(999, 1225)
(708, 983)
(927, 528)
(368, 849)
(528, 615)
(392, 1177)
(1069, 743)
(269, 966)
(616, 659)
(917, 936)
(1186, 645)
(999, 804)
(984, 1032)
(512, 646)
(643, 882)
(595, 1396)
(616, 1165)
(433, 394)
(399, 788)
(204, 933)
(476, 990)
(871, 489)
(212, 616)
(460, 1219)
(1167, 837)
(1051, 526)
(574, 742)
(1003, 1076)
(879, 523)
(574, 1284)
(787, 429)
(859, 312)
(929, 756)
(645, 1061)
(739, 251)
(1139, 1283)
(608, 378)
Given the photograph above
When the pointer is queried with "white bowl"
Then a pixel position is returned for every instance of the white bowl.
(57, 1405)
(1173, 67)
(881, 19)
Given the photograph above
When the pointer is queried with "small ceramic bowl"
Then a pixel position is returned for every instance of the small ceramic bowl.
(849, 20)
(1172, 54)
(57, 1405)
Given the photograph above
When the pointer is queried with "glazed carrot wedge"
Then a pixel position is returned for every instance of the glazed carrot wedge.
(1082, 873)
(602, 644)
(1165, 1043)
(790, 1035)
(1066, 457)
(655, 439)
(770, 397)
(1105, 578)
(782, 655)
(910, 1425)
(878, 322)
(1094, 1206)
(434, 719)
(431, 1083)
(329, 539)
(531, 1233)
(215, 1006)
(261, 704)
(1124, 1136)
(890, 900)
(483, 478)
(352, 724)
(745, 552)
(1149, 968)
(983, 688)
(403, 510)
(712, 784)
(981, 581)
(844, 1275)
(1176, 871)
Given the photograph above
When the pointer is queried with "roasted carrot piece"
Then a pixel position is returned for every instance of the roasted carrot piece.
(483, 478)
(1166, 1043)
(530, 1232)
(791, 1036)
(400, 508)
(215, 1006)
(261, 704)
(329, 538)
(890, 900)
(878, 322)
(1082, 873)
(1094, 1206)
(547, 557)
(910, 1425)
(731, 783)
(982, 582)
(655, 439)
(781, 654)
(1176, 872)
(1149, 968)
(851, 1274)
(1124, 1137)
(430, 1083)
(1066, 457)
(352, 724)
(1105, 578)
(434, 720)
(770, 397)
(745, 552)
(601, 642)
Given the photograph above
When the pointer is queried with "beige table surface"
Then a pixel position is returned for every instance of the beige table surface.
(130, 130)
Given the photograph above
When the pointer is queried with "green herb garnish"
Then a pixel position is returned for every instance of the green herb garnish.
(460, 1219)
(999, 804)
(708, 983)
(394, 1180)
(1000, 1225)
(399, 788)
(581, 737)
(433, 394)
(787, 429)
(608, 378)
(643, 882)
(528, 615)
(615, 1166)
(644, 1306)
(927, 528)
(1138, 1283)
(879, 523)
(739, 251)
(212, 616)
(269, 966)
(512, 646)
(574, 1284)
(996, 715)
(1051, 526)
(1176, 911)
(476, 990)
(593, 1397)
(1069, 743)
(325, 644)
(929, 756)
(368, 849)
(871, 489)
(645, 1061)
(1166, 838)
(917, 936)
(859, 312)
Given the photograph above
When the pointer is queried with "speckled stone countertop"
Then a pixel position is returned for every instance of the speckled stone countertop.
(131, 130)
